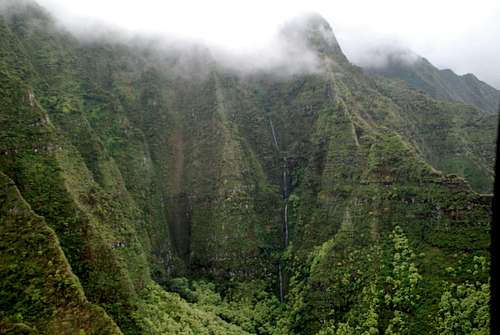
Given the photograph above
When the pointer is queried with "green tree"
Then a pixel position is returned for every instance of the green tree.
(401, 294)
(464, 308)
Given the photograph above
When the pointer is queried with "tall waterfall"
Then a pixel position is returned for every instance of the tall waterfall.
(285, 194)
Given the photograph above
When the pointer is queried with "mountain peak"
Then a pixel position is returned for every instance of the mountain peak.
(315, 32)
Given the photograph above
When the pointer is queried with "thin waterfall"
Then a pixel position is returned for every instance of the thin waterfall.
(285, 194)
(274, 136)
(285, 178)
(285, 226)
(285, 202)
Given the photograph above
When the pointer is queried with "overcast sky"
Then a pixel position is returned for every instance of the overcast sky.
(463, 35)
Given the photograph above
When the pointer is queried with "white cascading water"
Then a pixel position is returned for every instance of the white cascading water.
(285, 211)
(285, 202)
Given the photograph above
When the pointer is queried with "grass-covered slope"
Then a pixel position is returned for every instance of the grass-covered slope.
(420, 74)
(39, 292)
(454, 138)
(41, 295)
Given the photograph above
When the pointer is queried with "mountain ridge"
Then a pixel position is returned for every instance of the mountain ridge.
(443, 84)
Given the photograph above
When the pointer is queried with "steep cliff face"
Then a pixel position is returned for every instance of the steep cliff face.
(320, 183)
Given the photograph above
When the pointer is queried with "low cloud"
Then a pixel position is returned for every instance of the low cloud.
(371, 51)
(457, 34)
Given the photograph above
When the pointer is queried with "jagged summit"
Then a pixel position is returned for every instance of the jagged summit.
(313, 31)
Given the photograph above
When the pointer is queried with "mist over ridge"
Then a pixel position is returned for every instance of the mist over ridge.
(242, 31)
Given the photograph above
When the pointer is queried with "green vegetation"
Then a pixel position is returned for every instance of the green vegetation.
(464, 308)
(140, 198)
(39, 292)
(419, 74)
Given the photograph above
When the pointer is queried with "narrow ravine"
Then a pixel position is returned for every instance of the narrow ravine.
(285, 193)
